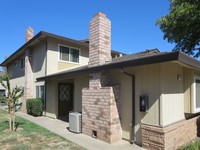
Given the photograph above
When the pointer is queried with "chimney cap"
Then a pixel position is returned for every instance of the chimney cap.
(29, 29)
(29, 33)
(100, 14)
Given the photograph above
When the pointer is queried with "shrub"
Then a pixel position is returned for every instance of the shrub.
(2, 99)
(34, 107)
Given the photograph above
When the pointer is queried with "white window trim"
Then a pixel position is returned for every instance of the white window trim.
(194, 95)
(39, 90)
(69, 56)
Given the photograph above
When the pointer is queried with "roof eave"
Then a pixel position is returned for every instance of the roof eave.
(37, 36)
(5, 62)
(172, 56)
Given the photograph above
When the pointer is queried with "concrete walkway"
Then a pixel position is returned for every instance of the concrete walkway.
(60, 127)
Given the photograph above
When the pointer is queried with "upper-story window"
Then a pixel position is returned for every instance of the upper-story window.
(69, 54)
(22, 63)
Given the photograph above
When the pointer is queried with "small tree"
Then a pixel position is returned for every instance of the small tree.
(12, 99)
(182, 26)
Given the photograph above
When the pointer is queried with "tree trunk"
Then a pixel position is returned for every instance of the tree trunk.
(13, 122)
(10, 122)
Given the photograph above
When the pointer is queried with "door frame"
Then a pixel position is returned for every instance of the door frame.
(58, 86)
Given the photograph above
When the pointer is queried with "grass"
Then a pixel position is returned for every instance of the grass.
(194, 145)
(30, 136)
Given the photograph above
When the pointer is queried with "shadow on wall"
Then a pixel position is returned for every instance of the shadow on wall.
(198, 127)
(39, 54)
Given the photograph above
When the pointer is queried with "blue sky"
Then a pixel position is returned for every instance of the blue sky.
(133, 22)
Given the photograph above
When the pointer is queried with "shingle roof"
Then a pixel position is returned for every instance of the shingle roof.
(40, 35)
(137, 55)
(43, 35)
(131, 61)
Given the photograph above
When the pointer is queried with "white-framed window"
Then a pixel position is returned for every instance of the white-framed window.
(69, 54)
(40, 92)
(196, 94)
(22, 63)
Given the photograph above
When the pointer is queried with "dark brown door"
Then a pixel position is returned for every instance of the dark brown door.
(65, 100)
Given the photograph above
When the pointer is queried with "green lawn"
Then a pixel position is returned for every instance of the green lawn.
(30, 136)
(194, 145)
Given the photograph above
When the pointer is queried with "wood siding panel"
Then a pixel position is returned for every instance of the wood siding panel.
(172, 93)
(187, 83)
(125, 100)
(80, 82)
(146, 83)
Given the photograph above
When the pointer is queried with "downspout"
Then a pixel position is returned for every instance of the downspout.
(45, 82)
(132, 137)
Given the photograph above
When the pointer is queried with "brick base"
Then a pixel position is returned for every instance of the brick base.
(101, 114)
(170, 137)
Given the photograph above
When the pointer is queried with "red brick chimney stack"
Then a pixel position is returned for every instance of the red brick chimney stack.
(100, 40)
(29, 34)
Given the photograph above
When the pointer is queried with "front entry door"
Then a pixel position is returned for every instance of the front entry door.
(65, 100)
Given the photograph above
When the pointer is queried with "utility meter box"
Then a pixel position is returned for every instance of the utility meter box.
(144, 103)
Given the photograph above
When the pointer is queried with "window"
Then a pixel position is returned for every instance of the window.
(40, 92)
(196, 97)
(69, 54)
(22, 63)
(64, 53)
(16, 63)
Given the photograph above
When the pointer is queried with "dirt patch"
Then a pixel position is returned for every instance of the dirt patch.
(8, 130)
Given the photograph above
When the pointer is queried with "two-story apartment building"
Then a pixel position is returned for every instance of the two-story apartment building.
(150, 98)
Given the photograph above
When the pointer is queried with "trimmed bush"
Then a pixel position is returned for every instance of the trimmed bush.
(34, 107)
(2, 99)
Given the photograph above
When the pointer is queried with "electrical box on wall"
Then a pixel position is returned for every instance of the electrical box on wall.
(144, 103)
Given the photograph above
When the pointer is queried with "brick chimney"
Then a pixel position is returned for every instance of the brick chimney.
(100, 102)
(99, 49)
(100, 40)
(29, 33)
(28, 89)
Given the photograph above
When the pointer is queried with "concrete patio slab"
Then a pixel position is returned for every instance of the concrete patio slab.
(60, 127)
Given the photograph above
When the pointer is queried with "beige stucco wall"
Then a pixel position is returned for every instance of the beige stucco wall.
(52, 99)
(52, 94)
(38, 53)
(17, 74)
(38, 60)
(54, 65)
(20, 82)
(38, 64)
(15, 70)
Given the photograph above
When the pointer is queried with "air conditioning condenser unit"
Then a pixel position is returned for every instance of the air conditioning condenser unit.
(75, 122)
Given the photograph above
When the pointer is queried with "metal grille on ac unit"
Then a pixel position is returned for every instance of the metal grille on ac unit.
(75, 122)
